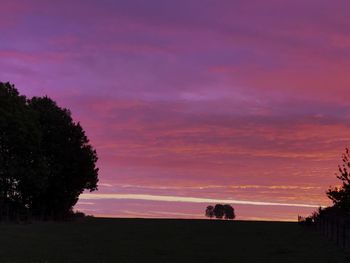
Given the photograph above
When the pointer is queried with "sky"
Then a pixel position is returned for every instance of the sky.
(193, 102)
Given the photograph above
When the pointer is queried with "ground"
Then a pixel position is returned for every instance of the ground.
(149, 240)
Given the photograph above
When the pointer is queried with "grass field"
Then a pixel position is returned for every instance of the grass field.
(142, 240)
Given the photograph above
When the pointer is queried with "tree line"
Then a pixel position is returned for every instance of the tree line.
(340, 195)
(46, 160)
(220, 211)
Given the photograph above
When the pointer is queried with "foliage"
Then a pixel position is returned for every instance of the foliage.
(69, 157)
(220, 211)
(209, 212)
(229, 212)
(341, 195)
(21, 164)
(46, 160)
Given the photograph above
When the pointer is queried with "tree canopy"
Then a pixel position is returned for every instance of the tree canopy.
(229, 212)
(46, 160)
(209, 212)
(220, 211)
(341, 195)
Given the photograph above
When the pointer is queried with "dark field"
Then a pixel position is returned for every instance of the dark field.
(141, 240)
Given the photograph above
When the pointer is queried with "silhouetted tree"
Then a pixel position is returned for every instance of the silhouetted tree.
(219, 211)
(229, 212)
(46, 160)
(341, 195)
(70, 159)
(22, 173)
(209, 212)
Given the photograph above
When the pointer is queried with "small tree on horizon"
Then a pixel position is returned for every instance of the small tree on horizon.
(229, 212)
(220, 211)
(209, 212)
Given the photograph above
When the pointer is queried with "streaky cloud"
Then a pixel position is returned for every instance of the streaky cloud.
(164, 198)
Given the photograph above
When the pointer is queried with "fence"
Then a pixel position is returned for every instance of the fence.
(334, 228)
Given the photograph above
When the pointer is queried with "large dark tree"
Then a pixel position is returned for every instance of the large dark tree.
(341, 195)
(70, 159)
(22, 169)
(46, 160)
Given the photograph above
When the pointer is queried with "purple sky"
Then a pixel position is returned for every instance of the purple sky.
(239, 101)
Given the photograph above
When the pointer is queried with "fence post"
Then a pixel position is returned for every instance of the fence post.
(344, 234)
(337, 224)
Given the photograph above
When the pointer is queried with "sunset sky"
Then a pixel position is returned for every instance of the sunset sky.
(193, 102)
